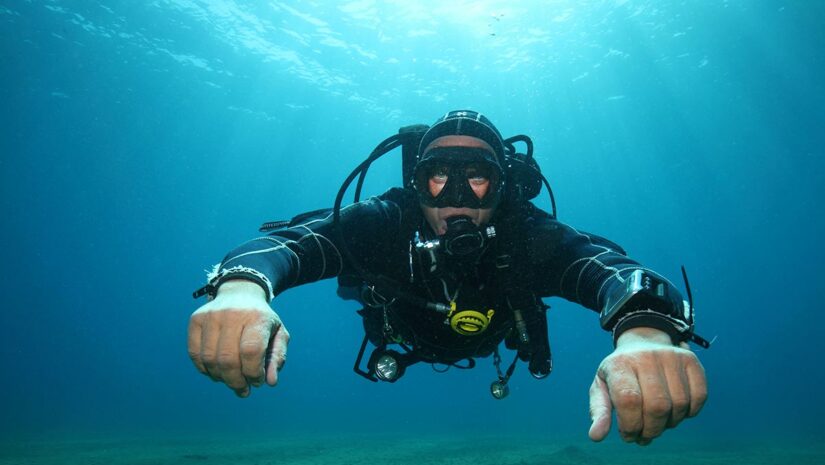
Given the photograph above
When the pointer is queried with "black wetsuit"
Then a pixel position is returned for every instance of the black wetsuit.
(533, 256)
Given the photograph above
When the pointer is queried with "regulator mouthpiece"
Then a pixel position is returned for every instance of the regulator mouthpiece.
(464, 238)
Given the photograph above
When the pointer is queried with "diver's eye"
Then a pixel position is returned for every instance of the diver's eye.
(479, 180)
(438, 179)
(440, 173)
(476, 175)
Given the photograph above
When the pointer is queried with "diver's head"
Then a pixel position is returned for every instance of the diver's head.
(459, 169)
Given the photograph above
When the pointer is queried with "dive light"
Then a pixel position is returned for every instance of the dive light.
(499, 389)
(387, 365)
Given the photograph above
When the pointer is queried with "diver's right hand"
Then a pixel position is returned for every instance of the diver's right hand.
(236, 338)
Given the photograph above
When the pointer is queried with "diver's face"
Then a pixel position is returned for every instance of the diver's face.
(437, 217)
(472, 175)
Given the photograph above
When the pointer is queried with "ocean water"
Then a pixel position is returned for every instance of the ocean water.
(140, 141)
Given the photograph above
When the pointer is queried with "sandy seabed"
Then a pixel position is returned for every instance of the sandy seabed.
(402, 449)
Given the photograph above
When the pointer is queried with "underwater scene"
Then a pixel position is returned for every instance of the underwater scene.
(143, 141)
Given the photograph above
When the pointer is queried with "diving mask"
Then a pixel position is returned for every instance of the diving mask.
(459, 177)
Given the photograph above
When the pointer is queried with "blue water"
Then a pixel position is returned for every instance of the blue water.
(140, 141)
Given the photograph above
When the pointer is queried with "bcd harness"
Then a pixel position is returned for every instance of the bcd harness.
(521, 323)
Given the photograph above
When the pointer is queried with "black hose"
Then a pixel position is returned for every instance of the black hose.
(387, 286)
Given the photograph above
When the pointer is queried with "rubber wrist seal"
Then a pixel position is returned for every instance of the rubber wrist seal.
(238, 272)
(678, 330)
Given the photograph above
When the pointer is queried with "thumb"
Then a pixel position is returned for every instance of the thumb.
(600, 409)
(276, 356)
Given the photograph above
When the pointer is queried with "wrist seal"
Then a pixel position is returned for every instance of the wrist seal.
(220, 275)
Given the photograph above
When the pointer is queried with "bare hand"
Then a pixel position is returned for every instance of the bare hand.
(652, 384)
(237, 338)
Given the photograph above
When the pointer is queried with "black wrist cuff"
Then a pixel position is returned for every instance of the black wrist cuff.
(678, 330)
(222, 275)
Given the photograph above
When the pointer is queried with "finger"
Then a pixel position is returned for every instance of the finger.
(600, 413)
(656, 399)
(698, 386)
(193, 343)
(229, 360)
(254, 341)
(679, 388)
(209, 349)
(626, 395)
(277, 354)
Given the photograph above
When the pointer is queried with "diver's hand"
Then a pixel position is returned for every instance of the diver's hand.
(652, 384)
(237, 338)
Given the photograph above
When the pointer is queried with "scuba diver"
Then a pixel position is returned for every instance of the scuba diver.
(452, 268)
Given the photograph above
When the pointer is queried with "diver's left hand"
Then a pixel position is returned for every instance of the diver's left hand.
(652, 384)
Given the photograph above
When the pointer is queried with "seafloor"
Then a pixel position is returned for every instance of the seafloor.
(396, 450)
